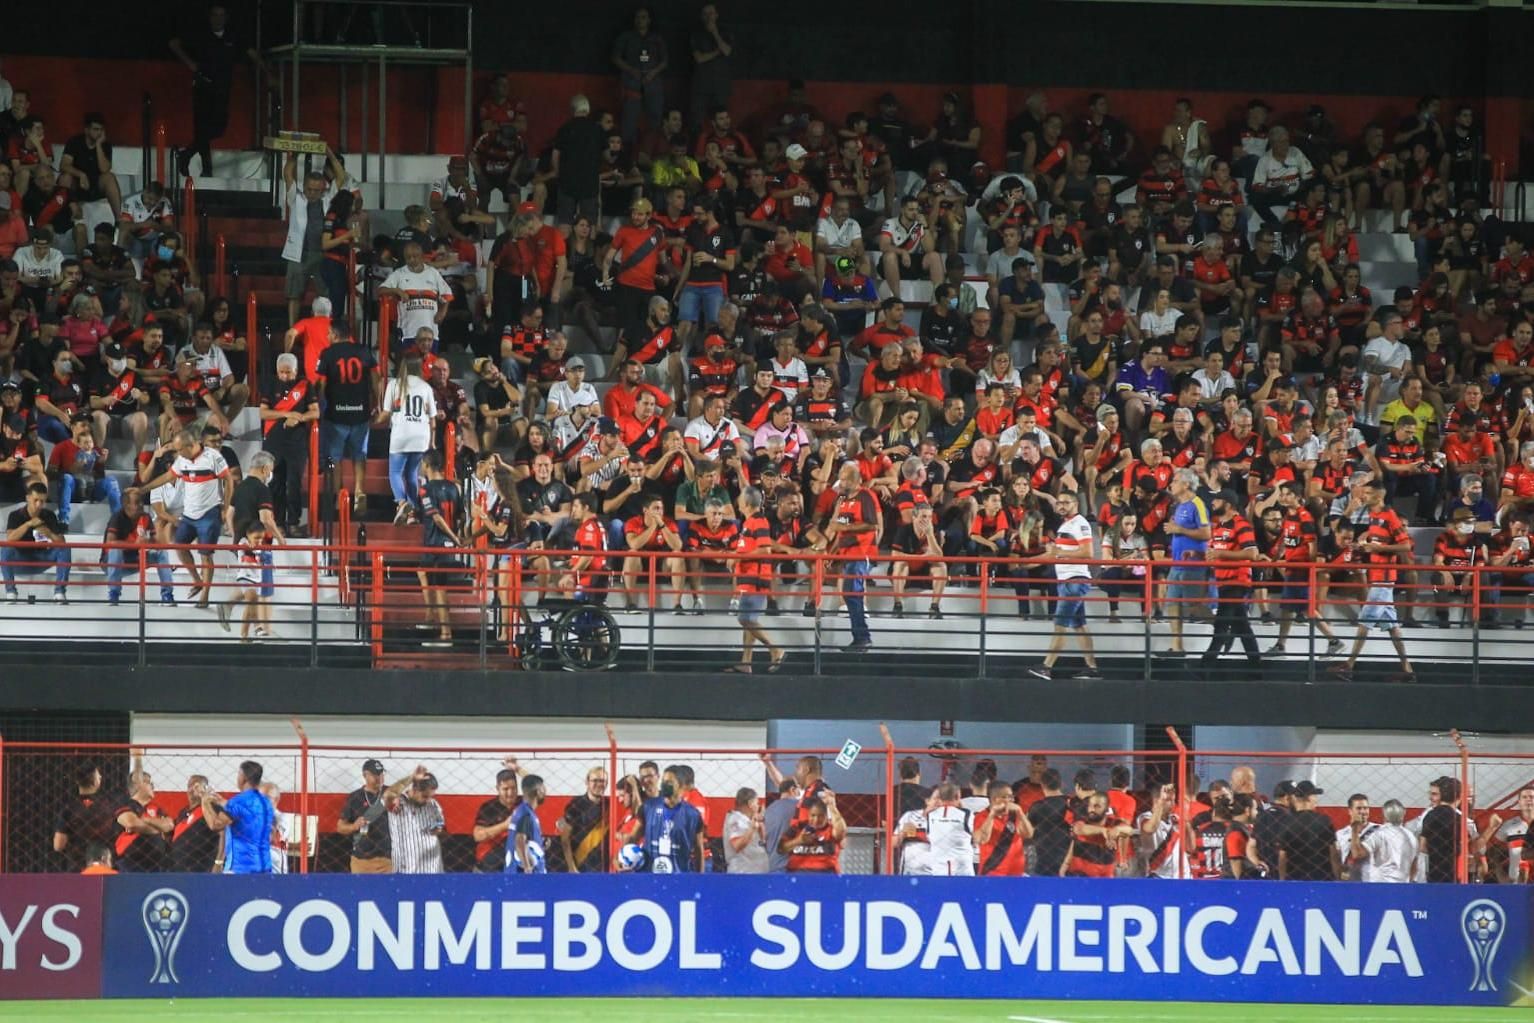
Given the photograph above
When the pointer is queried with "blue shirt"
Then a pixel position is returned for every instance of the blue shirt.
(1190, 515)
(1136, 378)
(248, 839)
(524, 821)
(670, 835)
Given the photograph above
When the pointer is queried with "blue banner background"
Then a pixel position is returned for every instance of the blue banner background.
(145, 916)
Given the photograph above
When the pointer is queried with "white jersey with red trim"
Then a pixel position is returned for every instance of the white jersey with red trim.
(1163, 847)
(424, 290)
(202, 482)
(1515, 834)
(1073, 540)
(950, 834)
(915, 852)
(902, 237)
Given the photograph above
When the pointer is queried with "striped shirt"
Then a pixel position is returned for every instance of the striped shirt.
(416, 847)
(202, 482)
(1073, 540)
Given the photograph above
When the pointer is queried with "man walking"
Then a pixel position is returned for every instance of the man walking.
(1233, 548)
(1384, 543)
(854, 530)
(1072, 544)
(1189, 529)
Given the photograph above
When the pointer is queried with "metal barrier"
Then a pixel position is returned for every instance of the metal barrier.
(1179, 813)
(663, 610)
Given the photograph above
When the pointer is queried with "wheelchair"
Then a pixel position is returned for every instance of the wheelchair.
(576, 635)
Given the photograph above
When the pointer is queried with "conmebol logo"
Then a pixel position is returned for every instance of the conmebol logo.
(165, 912)
(1484, 923)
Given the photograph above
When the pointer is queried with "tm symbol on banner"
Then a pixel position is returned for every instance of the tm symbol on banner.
(1419, 914)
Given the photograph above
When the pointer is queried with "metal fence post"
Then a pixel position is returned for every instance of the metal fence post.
(1182, 799)
(303, 796)
(889, 819)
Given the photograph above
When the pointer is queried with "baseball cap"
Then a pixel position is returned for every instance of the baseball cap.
(372, 766)
(820, 371)
(1282, 789)
(115, 351)
(796, 152)
(714, 341)
(1307, 788)
(1105, 409)
(607, 426)
(483, 364)
(575, 362)
(528, 207)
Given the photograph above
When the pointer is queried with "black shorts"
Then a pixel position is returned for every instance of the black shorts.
(436, 561)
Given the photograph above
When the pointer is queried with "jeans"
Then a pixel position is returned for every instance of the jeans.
(33, 561)
(52, 430)
(119, 566)
(73, 488)
(404, 474)
(854, 573)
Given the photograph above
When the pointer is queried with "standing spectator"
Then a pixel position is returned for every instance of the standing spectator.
(1188, 587)
(583, 827)
(524, 842)
(1386, 853)
(206, 487)
(247, 820)
(753, 577)
(98, 861)
(286, 419)
(1514, 834)
(1001, 829)
(439, 500)
(193, 841)
(303, 247)
(33, 523)
(88, 157)
(211, 54)
(422, 292)
(1442, 838)
(492, 821)
(417, 825)
(278, 839)
(313, 334)
(854, 530)
(1070, 549)
(363, 817)
(777, 819)
(410, 408)
(85, 820)
(640, 57)
(1307, 850)
(1354, 868)
(139, 838)
(745, 850)
(1384, 543)
(1233, 547)
(675, 839)
(349, 383)
(712, 48)
(576, 163)
(252, 499)
(1050, 819)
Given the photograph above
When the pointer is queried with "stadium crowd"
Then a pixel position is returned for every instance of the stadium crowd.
(1113, 348)
(1099, 827)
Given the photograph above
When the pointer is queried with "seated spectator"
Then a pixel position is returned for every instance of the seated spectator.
(79, 468)
(34, 540)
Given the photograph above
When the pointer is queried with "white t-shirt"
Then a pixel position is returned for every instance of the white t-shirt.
(279, 842)
(144, 220)
(423, 291)
(986, 378)
(1212, 387)
(1360, 871)
(567, 399)
(915, 853)
(838, 237)
(443, 188)
(1392, 850)
(753, 858)
(1282, 176)
(38, 272)
(950, 831)
(1074, 538)
(1166, 841)
(213, 366)
(1517, 828)
(999, 265)
(202, 482)
(1014, 433)
(903, 237)
(1154, 325)
(791, 378)
(410, 415)
(708, 439)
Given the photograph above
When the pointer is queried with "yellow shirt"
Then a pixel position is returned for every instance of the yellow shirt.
(1423, 414)
(666, 174)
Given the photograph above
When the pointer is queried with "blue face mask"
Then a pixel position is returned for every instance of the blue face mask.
(165, 253)
(953, 302)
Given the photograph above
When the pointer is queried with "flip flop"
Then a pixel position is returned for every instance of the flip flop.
(740, 669)
(776, 665)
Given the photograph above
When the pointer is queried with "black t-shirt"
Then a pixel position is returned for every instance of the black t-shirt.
(490, 856)
(347, 369)
(216, 56)
(540, 497)
(1263, 272)
(438, 497)
(86, 819)
(582, 816)
(84, 156)
(939, 332)
(909, 796)
(46, 517)
(138, 854)
(250, 497)
(580, 142)
(490, 397)
(193, 845)
(374, 842)
(1306, 840)
(716, 243)
(1441, 837)
(1051, 835)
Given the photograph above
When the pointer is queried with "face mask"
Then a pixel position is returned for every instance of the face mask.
(164, 252)
(117, 365)
(64, 366)
(1464, 528)
(667, 790)
(953, 302)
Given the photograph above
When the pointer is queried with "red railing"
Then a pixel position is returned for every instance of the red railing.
(450, 450)
(386, 316)
(1498, 195)
(189, 230)
(316, 479)
(316, 775)
(252, 348)
(344, 532)
(351, 287)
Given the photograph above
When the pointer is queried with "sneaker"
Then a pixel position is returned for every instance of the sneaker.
(697, 606)
(113, 597)
(1401, 676)
(1170, 655)
(1276, 650)
(858, 646)
(1088, 675)
(899, 609)
(934, 612)
(809, 610)
(167, 598)
(401, 512)
(1040, 671)
(630, 608)
(734, 605)
(60, 597)
(1333, 647)
(679, 610)
(223, 615)
(12, 597)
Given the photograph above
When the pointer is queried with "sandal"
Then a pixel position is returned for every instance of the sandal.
(740, 669)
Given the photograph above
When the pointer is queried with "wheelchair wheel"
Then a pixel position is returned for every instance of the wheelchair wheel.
(530, 649)
(586, 639)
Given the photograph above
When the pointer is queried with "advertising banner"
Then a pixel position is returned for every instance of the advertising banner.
(463, 935)
(50, 936)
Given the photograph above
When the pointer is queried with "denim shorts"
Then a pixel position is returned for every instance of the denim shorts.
(343, 440)
(1071, 607)
(204, 530)
(751, 607)
(700, 298)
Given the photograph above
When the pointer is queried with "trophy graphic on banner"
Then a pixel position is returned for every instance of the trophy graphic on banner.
(1483, 922)
(165, 915)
